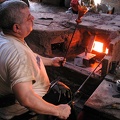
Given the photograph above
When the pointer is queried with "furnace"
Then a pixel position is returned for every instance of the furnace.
(97, 40)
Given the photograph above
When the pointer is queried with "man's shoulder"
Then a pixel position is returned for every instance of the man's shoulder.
(10, 47)
(3, 40)
(10, 42)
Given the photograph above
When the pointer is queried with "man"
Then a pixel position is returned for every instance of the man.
(22, 72)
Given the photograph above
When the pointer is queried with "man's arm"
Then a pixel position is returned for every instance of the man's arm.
(47, 61)
(28, 98)
(55, 61)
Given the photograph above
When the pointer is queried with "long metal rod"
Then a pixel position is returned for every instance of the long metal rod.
(70, 42)
(90, 74)
(73, 100)
(78, 91)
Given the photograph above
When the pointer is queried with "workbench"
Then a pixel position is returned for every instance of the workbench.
(104, 103)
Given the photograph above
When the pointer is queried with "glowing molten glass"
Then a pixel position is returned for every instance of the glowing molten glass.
(81, 11)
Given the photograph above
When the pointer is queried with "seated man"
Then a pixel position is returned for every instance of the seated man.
(22, 72)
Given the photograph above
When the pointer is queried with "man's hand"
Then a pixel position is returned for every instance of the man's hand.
(58, 61)
(64, 111)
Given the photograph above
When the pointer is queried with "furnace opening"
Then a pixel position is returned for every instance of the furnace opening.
(57, 47)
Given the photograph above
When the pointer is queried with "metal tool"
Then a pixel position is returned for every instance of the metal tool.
(70, 42)
(78, 91)
(76, 95)
(116, 96)
(44, 18)
(109, 80)
(65, 55)
(113, 106)
(81, 11)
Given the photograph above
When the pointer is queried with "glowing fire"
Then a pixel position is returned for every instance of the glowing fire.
(106, 51)
(98, 46)
(97, 2)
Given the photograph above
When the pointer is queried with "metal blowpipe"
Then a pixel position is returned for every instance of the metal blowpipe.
(81, 11)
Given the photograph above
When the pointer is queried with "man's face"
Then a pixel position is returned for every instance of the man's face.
(27, 25)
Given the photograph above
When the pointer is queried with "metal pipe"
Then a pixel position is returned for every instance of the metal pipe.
(78, 91)
(65, 56)
(70, 42)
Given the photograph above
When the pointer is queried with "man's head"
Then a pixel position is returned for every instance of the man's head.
(15, 17)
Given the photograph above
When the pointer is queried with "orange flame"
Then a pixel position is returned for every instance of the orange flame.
(107, 50)
(98, 46)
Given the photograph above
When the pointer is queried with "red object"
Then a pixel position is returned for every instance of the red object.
(74, 1)
(81, 11)
(74, 4)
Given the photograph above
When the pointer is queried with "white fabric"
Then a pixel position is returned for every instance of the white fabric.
(18, 64)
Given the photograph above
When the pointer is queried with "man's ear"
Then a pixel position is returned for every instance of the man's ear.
(16, 28)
